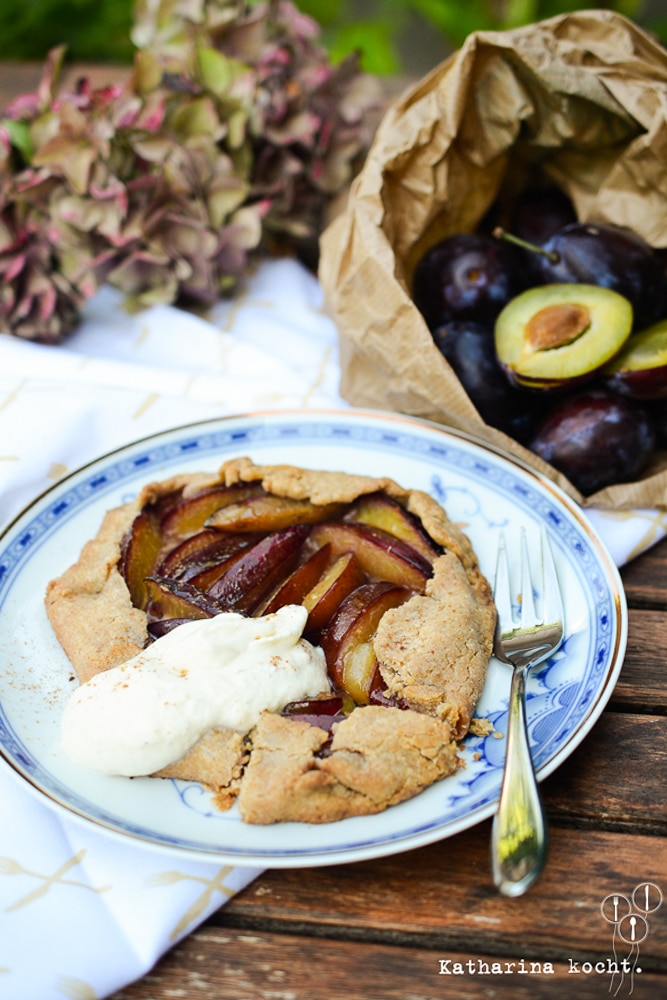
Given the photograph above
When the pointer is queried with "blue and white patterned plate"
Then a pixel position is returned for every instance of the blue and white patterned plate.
(482, 490)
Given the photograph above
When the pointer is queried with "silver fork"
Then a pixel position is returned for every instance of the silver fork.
(519, 836)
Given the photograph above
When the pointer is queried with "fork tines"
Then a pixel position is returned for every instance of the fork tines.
(549, 592)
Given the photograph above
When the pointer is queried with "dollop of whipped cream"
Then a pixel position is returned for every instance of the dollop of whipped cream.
(216, 672)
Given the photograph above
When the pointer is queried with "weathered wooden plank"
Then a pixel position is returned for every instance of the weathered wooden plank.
(232, 965)
(645, 578)
(643, 681)
(442, 897)
(617, 776)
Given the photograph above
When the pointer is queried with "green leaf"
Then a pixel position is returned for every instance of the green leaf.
(72, 157)
(147, 72)
(237, 127)
(375, 40)
(222, 202)
(455, 20)
(518, 12)
(197, 117)
(215, 71)
(20, 138)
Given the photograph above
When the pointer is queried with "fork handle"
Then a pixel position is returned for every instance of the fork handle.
(519, 835)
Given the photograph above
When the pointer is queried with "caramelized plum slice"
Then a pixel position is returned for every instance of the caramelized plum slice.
(259, 569)
(169, 598)
(156, 629)
(347, 640)
(379, 695)
(382, 511)
(199, 552)
(207, 576)
(322, 712)
(359, 671)
(179, 556)
(380, 554)
(189, 516)
(270, 513)
(342, 577)
(141, 551)
(300, 581)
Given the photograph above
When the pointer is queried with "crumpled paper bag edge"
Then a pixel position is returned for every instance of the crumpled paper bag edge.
(362, 360)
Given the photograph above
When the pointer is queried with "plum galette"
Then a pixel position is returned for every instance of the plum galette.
(309, 644)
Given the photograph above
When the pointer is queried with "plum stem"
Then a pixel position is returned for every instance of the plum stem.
(502, 234)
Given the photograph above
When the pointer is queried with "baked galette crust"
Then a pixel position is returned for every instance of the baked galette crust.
(433, 652)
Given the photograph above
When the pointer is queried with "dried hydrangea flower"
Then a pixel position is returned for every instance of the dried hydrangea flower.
(232, 130)
(36, 301)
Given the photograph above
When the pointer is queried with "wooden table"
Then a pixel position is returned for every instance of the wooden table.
(381, 930)
(395, 928)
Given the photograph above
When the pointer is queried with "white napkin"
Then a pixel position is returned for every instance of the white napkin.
(82, 912)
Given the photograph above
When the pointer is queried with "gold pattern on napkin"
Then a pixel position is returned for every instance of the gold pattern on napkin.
(75, 989)
(57, 470)
(197, 909)
(8, 866)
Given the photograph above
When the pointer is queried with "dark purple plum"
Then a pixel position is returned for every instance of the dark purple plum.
(596, 438)
(597, 254)
(658, 411)
(540, 212)
(470, 350)
(467, 276)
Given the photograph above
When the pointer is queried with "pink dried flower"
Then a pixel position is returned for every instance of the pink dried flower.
(232, 132)
(36, 300)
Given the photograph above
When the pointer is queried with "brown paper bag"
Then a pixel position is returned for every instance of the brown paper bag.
(581, 97)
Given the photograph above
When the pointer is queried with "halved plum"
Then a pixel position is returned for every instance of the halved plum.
(347, 640)
(559, 335)
(340, 579)
(201, 551)
(267, 512)
(259, 569)
(380, 554)
(381, 511)
(140, 554)
(190, 514)
(177, 599)
(299, 583)
(639, 370)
